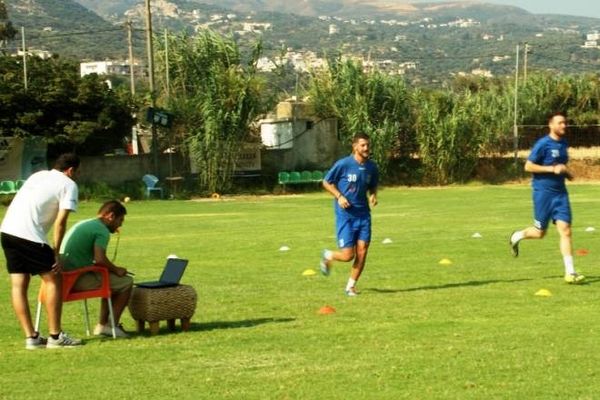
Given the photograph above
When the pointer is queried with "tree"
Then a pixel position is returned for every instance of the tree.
(215, 97)
(71, 113)
(7, 31)
(373, 103)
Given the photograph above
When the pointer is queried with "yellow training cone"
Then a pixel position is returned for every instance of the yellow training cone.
(445, 261)
(309, 272)
(543, 293)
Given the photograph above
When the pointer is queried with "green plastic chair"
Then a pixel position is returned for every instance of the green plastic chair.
(283, 178)
(306, 176)
(295, 177)
(7, 187)
(19, 184)
(317, 176)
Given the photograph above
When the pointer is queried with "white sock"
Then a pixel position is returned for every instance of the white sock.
(517, 237)
(328, 254)
(350, 284)
(569, 267)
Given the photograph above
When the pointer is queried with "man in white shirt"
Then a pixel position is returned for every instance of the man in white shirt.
(44, 200)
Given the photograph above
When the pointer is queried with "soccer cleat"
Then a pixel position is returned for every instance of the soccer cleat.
(574, 279)
(38, 342)
(351, 292)
(514, 247)
(63, 341)
(106, 330)
(324, 264)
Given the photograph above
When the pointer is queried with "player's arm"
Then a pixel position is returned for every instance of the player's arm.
(558, 169)
(373, 196)
(331, 188)
(373, 188)
(102, 260)
(60, 227)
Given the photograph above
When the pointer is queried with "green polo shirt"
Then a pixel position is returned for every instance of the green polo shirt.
(77, 249)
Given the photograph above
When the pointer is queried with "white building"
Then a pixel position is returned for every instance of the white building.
(500, 58)
(333, 29)
(257, 27)
(594, 35)
(264, 64)
(106, 68)
(486, 73)
(590, 44)
(43, 54)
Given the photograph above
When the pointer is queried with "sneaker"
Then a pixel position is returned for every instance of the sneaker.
(351, 292)
(324, 264)
(63, 341)
(514, 247)
(38, 342)
(574, 279)
(106, 330)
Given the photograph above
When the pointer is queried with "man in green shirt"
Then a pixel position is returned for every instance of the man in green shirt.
(85, 244)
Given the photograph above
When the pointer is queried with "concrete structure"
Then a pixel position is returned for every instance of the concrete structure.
(308, 144)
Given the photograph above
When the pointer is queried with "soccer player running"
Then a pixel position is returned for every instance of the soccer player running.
(353, 183)
(547, 162)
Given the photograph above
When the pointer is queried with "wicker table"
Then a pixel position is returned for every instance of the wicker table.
(160, 304)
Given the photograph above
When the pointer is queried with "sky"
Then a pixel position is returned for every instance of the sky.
(586, 8)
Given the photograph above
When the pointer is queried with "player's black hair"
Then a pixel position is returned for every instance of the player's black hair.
(359, 136)
(66, 161)
(112, 206)
(556, 114)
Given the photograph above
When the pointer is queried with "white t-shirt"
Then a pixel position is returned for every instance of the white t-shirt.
(35, 206)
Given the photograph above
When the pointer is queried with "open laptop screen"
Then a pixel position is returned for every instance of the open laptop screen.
(173, 270)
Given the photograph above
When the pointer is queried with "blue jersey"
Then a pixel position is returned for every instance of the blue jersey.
(353, 180)
(548, 151)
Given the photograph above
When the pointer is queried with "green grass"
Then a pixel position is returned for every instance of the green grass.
(419, 330)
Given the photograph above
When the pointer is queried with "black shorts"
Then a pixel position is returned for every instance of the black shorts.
(26, 257)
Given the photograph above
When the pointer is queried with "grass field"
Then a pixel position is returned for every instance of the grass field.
(419, 330)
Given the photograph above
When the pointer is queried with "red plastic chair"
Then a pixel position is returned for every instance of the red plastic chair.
(68, 281)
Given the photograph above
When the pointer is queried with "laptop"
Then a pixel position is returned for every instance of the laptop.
(170, 276)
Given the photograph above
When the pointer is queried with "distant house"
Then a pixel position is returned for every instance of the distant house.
(43, 54)
(594, 35)
(257, 27)
(590, 44)
(500, 58)
(107, 68)
(482, 72)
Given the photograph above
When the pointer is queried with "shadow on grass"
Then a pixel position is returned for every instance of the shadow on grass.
(588, 279)
(245, 323)
(446, 286)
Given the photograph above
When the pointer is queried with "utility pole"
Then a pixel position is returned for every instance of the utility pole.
(516, 110)
(130, 45)
(24, 57)
(167, 75)
(150, 51)
(525, 63)
(168, 84)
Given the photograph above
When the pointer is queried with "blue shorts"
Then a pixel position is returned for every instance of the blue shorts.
(352, 229)
(550, 206)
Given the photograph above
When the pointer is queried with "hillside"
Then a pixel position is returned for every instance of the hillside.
(66, 27)
(428, 42)
(315, 8)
